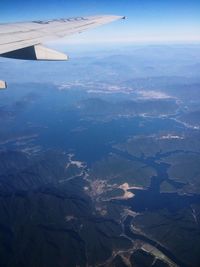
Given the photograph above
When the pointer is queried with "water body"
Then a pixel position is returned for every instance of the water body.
(96, 138)
(152, 200)
(129, 233)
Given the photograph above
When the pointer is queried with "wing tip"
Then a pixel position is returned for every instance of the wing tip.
(3, 85)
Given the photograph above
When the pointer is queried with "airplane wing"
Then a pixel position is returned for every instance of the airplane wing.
(24, 40)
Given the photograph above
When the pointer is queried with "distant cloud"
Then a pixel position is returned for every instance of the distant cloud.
(89, 39)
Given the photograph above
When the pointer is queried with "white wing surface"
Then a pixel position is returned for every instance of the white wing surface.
(23, 40)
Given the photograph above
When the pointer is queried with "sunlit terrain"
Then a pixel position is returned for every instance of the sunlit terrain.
(99, 159)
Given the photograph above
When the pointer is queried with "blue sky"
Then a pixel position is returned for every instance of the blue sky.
(148, 20)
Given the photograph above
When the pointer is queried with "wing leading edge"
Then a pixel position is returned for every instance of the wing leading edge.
(23, 40)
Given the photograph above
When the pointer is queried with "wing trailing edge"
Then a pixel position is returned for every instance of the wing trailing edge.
(36, 52)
